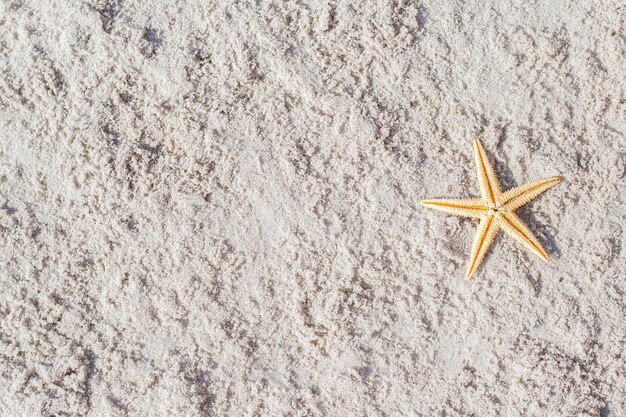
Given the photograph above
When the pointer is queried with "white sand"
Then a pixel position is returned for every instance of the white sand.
(212, 209)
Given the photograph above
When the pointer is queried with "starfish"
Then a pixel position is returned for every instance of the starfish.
(495, 209)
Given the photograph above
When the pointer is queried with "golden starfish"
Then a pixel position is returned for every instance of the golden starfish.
(495, 209)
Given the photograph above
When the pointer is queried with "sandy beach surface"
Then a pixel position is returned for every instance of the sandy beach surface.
(211, 208)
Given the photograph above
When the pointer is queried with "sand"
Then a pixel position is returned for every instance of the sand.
(212, 209)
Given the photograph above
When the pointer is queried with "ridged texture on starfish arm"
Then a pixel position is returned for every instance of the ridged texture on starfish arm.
(489, 184)
(515, 228)
(485, 234)
(518, 196)
(470, 207)
(495, 209)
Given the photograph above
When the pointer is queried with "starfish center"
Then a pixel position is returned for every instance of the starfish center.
(494, 210)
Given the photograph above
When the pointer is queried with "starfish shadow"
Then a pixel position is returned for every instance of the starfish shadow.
(505, 176)
(544, 233)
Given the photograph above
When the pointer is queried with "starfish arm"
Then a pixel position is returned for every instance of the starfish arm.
(470, 207)
(489, 185)
(518, 196)
(515, 228)
(485, 234)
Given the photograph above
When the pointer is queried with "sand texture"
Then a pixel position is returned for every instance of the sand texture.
(212, 208)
